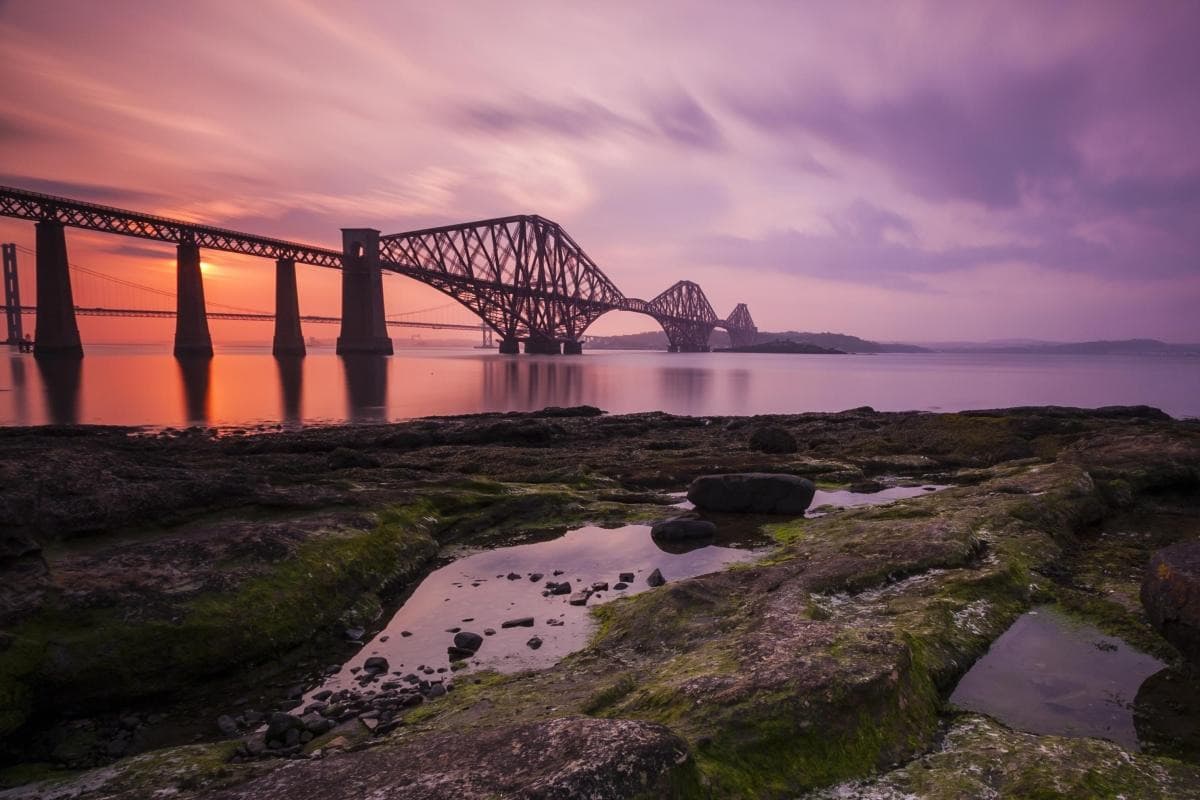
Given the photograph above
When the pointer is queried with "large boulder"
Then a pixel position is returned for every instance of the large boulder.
(755, 492)
(1171, 595)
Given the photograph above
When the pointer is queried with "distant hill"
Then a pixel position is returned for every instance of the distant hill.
(782, 346)
(657, 340)
(1118, 347)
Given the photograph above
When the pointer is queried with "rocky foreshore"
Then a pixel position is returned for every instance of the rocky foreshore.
(170, 599)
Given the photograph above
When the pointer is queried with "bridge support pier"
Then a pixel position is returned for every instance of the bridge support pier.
(572, 348)
(509, 346)
(289, 340)
(364, 328)
(56, 333)
(191, 318)
(542, 347)
(12, 294)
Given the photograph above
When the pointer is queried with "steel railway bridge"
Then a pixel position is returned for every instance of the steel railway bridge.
(524, 276)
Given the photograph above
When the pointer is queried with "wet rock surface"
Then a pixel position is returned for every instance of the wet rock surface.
(570, 757)
(1171, 595)
(828, 661)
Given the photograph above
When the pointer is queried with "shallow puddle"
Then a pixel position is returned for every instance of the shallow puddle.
(475, 593)
(1050, 674)
(838, 499)
(825, 501)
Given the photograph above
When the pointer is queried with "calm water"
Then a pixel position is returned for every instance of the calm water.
(474, 593)
(239, 387)
(1051, 674)
(478, 591)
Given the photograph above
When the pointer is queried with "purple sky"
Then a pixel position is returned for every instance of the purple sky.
(898, 170)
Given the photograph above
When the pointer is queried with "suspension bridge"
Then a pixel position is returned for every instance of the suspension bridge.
(525, 278)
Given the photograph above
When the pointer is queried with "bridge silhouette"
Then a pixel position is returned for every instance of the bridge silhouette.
(524, 276)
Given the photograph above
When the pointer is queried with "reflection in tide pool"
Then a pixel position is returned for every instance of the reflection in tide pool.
(245, 387)
(475, 593)
(1051, 674)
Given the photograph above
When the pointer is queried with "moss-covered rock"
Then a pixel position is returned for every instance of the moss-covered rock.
(828, 660)
(981, 758)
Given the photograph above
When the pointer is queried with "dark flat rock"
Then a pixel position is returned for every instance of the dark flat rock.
(753, 492)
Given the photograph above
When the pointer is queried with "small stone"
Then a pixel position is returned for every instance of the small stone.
(655, 578)
(383, 638)
(437, 690)
(600, 586)
(580, 598)
(619, 587)
(561, 588)
(279, 724)
(459, 653)
(226, 725)
(520, 622)
(453, 630)
(676, 529)
(324, 694)
(557, 572)
(534, 577)
(512, 576)
(406, 634)
(534, 643)
(466, 640)
(626, 577)
(355, 634)
(489, 631)
(375, 665)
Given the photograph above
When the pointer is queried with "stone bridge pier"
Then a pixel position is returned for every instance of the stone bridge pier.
(364, 327)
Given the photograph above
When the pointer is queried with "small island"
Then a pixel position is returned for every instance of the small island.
(782, 346)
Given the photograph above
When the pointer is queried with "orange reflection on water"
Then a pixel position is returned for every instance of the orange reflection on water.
(248, 387)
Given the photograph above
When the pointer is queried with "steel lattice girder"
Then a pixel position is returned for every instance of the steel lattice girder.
(741, 327)
(523, 274)
(686, 315)
(48, 208)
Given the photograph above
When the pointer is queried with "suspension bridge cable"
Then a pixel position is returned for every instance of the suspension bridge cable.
(423, 310)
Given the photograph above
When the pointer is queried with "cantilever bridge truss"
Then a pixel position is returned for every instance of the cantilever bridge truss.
(523, 275)
(531, 281)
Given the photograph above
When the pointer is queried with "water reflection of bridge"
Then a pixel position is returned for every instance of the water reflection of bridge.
(356, 387)
(523, 276)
